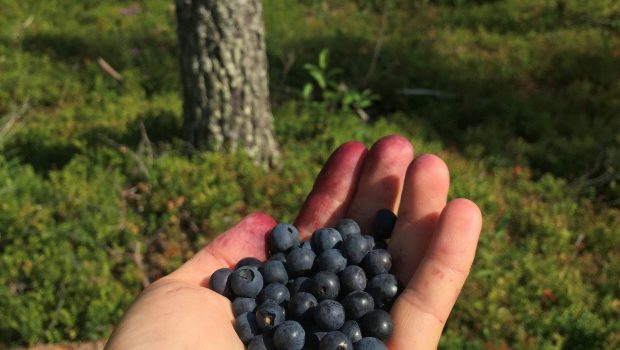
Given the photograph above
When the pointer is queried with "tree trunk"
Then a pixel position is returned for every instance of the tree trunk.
(224, 73)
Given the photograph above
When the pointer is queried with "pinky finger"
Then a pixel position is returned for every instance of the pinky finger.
(422, 309)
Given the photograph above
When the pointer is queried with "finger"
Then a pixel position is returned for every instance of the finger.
(422, 309)
(333, 189)
(381, 180)
(246, 239)
(424, 196)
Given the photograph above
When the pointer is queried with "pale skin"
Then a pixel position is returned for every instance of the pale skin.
(433, 247)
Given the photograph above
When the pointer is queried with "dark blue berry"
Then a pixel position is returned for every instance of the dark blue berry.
(378, 324)
(261, 342)
(248, 262)
(290, 335)
(269, 315)
(331, 260)
(305, 245)
(371, 241)
(376, 262)
(348, 227)
(301, 307)
(354, 248)
(279, 256)
(243, 305)
(283, 237)
(370, 343)
(299, 262)
(246, 327)
(220, 282)
(273, 271)
(352, 278)
(276, 292)
(352, 330)
(357, 304)
(384, 289)
(335, 340)
(329, 315)
(325, 238)
(246, 281)
(300, 284)
(384, 222)
(325, 285)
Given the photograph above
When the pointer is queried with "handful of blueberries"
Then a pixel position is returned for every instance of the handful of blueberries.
(333, 292)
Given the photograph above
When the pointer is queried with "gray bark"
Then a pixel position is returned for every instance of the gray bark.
(224, 74)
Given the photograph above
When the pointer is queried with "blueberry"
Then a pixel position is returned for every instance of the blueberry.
(246, 327)
(348, 227)
(220, 282)
(370, 343)
(378, 324)
(305, 245)
(357, 304)
(279, 256)
(299, 262)
(246, 281)
(261, 342)
(384, 222)
(352, 278)
(243, 305)
(329, 315)
(283, 237)
(377, 261)
(269, 315)
(325, 238)
(384, 289)
(335, 340)
(352, 330)
(331, 260)
(273, 271)
(354, 248)
(301, 307)
(300, 284)
(289, 336)
(371, 241)
(276, 292)
(325, 285)
(248, 262)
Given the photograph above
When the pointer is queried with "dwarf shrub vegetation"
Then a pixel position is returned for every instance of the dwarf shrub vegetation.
(99, 196)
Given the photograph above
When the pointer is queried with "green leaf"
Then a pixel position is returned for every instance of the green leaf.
(307, 91)
(323, 57)
(320, 79)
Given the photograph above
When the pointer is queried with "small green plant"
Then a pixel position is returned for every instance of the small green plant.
(331, 93)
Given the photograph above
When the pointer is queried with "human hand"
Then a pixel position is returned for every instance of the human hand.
(433, 246)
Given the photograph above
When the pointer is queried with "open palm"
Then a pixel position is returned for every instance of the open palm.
(433, 246)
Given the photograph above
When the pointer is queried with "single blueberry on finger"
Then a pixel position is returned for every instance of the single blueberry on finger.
(370, 343)
(243, 305)
(329, 315)
(273, 271)
(269, 315)
(290, 335)
(220, 282)
(283, 237)
(348, 227)
(352, 330)
(384, 222)
(352, 278)
(335, 340)
(246, 281)
(378, 324)
(246, 327)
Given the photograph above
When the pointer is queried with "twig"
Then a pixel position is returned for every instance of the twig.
(145, 143)
(378, 44)
(109, 69)
(143, 168)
